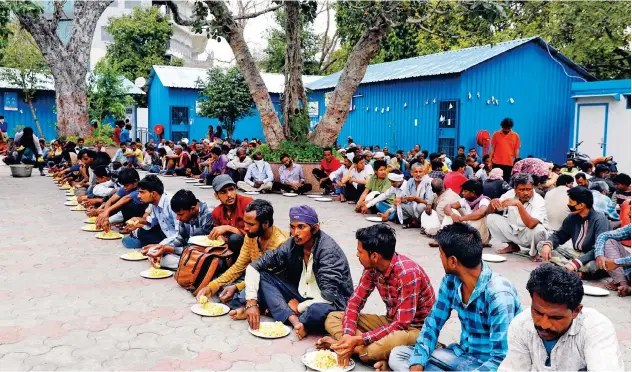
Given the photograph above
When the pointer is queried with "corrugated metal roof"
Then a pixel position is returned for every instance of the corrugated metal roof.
(48, 83)
(450, 62)
(186, 77)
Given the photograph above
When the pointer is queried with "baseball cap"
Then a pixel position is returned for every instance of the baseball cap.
(222, 180)
(442, 156)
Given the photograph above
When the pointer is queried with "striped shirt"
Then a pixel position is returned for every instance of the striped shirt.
(619, 234)
(605, 205)
(484, 319)
(406, 291)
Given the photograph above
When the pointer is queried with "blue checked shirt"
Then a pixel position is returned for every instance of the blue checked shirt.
(605, 205)
(619, 234)
(484, 319)
(202, 224)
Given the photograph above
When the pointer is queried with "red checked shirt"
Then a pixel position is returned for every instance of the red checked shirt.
(406, 292)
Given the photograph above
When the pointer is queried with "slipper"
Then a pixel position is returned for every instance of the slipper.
(433, 244)
(507, 250)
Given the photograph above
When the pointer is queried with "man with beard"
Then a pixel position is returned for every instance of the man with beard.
(484, 301)
(261, 236)
(417, 197)
(559, 334)
(471, 209)
(292, 179)
(228, 217)
(385, 209)
(303, 280)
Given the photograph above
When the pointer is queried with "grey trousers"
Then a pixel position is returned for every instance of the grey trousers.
(480, 225)
(502, 232)
(410, 211)
(614, 250)
(565, 253)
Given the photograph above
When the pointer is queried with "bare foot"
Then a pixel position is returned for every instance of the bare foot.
(623, 291)
(612, 286)
(380, 365)
(239, 314)
(324, 343)
(511, 248)
(433, 244)
(300, 331)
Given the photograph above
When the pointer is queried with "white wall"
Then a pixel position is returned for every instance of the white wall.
(618, 130)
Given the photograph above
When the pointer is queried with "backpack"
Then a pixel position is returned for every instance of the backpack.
(199, 265)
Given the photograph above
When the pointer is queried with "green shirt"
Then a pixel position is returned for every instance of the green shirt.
(381, 186)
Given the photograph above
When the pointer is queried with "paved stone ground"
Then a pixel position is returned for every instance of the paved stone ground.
(68, 302)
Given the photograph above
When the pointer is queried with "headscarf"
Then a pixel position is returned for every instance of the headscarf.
(495, 174)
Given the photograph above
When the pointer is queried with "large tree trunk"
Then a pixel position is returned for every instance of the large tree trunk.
(68, 63)
(37, 123)
(337, 111)
(247, 65)
(294, 90)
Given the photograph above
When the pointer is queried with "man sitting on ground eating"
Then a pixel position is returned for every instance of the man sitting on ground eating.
(258, 177)
(328, 165)
(261, 236)
(386, 210)
(377, 184)
(471, 209)
(291, 177)
(484, 301)
(524, 217)
(124, 205)
(404, 288)
(303, 280)
(356, 179)
(159, 227)
(582, 226)
(609, 247)
(194, 218)
(559, 334)
(228, 216)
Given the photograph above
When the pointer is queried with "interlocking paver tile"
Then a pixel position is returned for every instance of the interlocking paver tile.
(68, 302)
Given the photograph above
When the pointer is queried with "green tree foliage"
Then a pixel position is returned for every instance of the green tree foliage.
(107, 96)
(140, 41)
(28, 69)
(274, 53)
(593, 34)
(224, 95)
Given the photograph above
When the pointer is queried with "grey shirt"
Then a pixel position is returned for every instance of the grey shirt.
(589, 344)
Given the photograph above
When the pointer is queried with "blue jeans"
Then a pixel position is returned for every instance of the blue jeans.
(440, 360)
(383, 207)
(277, 293)
(144, 237)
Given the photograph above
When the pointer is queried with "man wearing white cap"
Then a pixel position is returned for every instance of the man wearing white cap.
(386, 210)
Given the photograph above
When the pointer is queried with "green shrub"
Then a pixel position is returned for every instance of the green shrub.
(304, 152)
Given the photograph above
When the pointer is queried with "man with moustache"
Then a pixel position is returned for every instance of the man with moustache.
(559, 334)
(303, 280)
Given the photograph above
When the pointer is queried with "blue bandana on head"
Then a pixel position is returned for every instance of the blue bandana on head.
(303, 213)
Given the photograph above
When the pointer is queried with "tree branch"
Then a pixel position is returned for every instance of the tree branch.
(177, 18)
(57, 14)
(257, 14)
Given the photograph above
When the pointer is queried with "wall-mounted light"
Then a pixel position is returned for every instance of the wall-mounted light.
(511, 100)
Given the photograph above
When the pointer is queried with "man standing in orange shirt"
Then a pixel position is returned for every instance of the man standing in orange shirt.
(505, 148)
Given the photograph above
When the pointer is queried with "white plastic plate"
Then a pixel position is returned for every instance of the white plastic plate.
(145, 274)
(493, 258)
(590, 290)
(323, 199)
(252, 193)
(374, 219)
(258, 334)
(308, 359)
(197, 309)
(290, 194)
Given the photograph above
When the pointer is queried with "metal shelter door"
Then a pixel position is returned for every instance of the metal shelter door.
(180, 122)
(592, 128)
(449, 114)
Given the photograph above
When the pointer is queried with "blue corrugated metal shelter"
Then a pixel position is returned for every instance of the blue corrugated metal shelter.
(17, 113)
(173, 97)
(442, 100)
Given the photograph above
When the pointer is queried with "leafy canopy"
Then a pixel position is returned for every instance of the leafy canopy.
(224, 95)
(107, 95)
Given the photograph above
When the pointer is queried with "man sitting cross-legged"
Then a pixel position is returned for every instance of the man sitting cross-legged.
(524, 217)
(258, 177)
(417, 197)
(239, 165)
(292, 179)
(559, 334)
(471, 209)
(376, 185)
(609, 248)
(194, 218)
(484, 301)
(582, 226)
(404, 288)
(328, 165)
(303, 280)
(124, 205)
(356, 178)
(386, 210)
(159, 227)
(261, 236)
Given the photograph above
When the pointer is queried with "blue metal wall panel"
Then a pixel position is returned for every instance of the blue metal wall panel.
(542, 110)
(158, 107)
(402, 102)
(44, 103)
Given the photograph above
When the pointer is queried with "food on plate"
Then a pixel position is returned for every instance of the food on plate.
(213, 309)
(91, 220)
(272, 329)
(109, 235)
(65, 186)
(203, 299)
(324, 359)
(136, 255)
(204, 240)
(158, 273)
(78, 208)
(91, 227)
